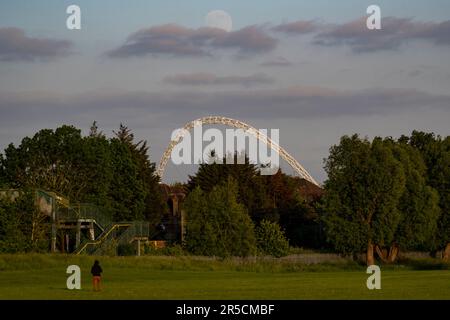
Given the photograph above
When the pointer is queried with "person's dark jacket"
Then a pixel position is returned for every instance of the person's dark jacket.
(96, 270)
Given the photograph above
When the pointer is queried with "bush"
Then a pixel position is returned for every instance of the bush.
(126, 249)
(271, 240)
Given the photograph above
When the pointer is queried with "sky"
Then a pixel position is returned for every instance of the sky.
(311, 69)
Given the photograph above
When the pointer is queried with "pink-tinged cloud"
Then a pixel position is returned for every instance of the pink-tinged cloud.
(209, 79)
(15, 45)
(394, 33)
(179, 41)
(250, 39)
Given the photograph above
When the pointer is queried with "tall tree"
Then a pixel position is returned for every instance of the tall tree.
(364, 185)
(99, 171)
(127, 190)
(154, 205)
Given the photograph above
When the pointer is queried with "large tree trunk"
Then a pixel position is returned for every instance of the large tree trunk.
(369, 255)
(393, 253)
(388, 256)
(446, 254)
(382, 253)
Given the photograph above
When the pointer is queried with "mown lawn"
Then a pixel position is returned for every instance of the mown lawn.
(44, 277)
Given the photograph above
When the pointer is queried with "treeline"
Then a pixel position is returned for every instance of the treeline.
(115, 174)
(381, 196)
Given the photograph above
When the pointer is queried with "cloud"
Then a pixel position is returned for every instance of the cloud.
(16, 46)
(206, 79)
(292, 103)
(298, 27)
(394, 33)
(251, 39)
(179, 41)
(439, 33)
(276, 62)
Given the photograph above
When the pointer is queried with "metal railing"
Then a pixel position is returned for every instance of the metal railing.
(101, 239)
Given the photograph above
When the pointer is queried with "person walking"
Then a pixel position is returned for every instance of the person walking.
(96, 272)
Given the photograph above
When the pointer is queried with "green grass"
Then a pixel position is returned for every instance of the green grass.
(43, 277)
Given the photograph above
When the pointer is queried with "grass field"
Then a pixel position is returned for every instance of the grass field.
(44, 277)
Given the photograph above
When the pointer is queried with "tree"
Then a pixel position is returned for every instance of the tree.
(436, 154)
(297, 216)
(273, 197)
(47, 160)
(200, 236)
(217, 225)
(443, 187)
(271, 240)
(62, 161)
(419, 203)
(364, 185)
(21, 225)
(127, 190)
(12, 238)
(98, 169)
(115, 174)
(251, 189)
(154, 205)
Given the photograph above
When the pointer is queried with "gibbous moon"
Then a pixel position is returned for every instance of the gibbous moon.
(219, 19)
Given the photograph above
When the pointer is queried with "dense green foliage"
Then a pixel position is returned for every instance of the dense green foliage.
(419, 203)
(298, 217)
(217, 224)
(435, 152)
(271, 240)
(251, 189)
(364, 185)
(383, 193)
(272, 197)
(115, 174)
(19, 227)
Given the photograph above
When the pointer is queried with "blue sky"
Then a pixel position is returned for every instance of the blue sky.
(118, 17)
(326, 78)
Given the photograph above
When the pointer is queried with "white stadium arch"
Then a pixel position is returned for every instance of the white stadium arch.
(235, 124)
